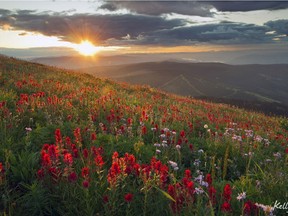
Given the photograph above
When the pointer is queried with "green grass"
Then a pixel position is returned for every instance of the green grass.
(55, 124)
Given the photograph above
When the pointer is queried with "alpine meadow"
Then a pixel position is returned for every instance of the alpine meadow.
(72, 144)
(143, 108)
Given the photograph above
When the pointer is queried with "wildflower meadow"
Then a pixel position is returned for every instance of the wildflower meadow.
(73, 144)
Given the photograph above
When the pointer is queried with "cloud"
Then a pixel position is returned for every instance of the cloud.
(221, 33)
(137, 29)
(248, 5)
(280, 26)
(199, 8)
(161, 7)
(4, 12)
(97, 28)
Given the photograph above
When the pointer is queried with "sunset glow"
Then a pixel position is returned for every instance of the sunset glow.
(86, 48)
(223, 30)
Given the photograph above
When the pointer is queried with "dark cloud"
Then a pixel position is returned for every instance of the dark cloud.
(97, 27)
(200, 8)
(222, 33)
(280, 26)
(161, 7)
(248, 5)
(129, 29)
(109, 7)
(4, 12)
(25, 12)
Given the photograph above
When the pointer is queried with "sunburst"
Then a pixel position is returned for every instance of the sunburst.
(86, 48)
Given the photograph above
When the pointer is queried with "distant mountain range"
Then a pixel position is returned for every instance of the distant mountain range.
(254, 86)
(263, 87)
(234, 58)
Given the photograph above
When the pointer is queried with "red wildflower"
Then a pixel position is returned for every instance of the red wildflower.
(85, 184)
(69, 117)
(45, 147)
(2, 104)
(2, 170)
(58, 137)
(182, 133)
(128, 170)
(209, 179)
(93, 136)
(105, 199)
(114, 171)
(40, 174)
(115, 168)
(144, 130)
(227, 192)
(55, 173)
(46, 161)
(212, 194)
(85, 172)
(68, 141)
(136, 168)
(72, 177)
(77, 135)
(85, 153)
(188, 173)
(129, 121)
(115, 155)
(68, 159)
(130, 159)
(53, 152)
(226, 207)
(191, 147)
(171, 190)
(250, 208)
(75, 153)
(190, 187)
(128, 197)
(99, 161)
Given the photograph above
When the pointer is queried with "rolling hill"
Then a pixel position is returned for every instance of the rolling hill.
(74, 144)
(262, 87)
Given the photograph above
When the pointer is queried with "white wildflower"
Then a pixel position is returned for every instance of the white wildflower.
(266, 208)
(28, 129)
(197, 162)
(200, 151)
(199, 190)
(241, 196)
(172, 163)
(204, 183)
(277, 155)
(176, 168)
(258, 138)
(166, 130)
(178, 147)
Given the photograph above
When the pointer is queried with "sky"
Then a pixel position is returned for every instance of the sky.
(51, 28)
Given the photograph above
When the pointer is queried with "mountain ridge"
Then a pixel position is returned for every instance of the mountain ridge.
(265, 84)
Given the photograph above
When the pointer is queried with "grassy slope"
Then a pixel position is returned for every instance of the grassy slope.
(263, 86)
(124, 119)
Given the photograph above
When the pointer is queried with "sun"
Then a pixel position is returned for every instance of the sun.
(86, 48)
